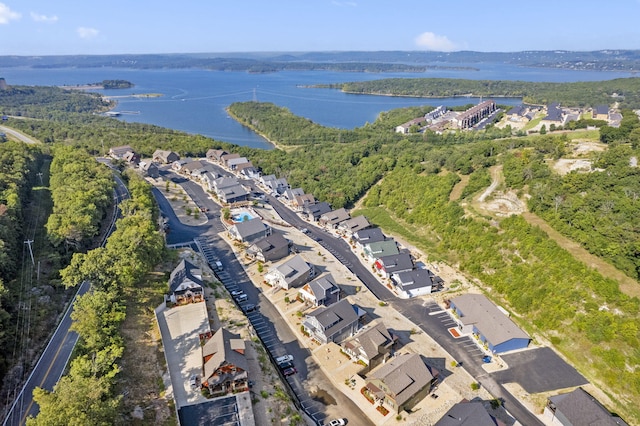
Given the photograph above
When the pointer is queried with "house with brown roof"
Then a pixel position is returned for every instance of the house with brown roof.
(132, 158)
(215, 154)
(401, 383)
(165, 157)
(224, 158)
(224, 365)
(300, 201)
(373, 345)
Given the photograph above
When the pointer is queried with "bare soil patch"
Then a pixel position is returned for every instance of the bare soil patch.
(459, 187)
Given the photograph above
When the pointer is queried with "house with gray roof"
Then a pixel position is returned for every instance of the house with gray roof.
(393, 263)
(313, 212)
(416, 282)
(270, 248)
(249, 231)
(333, 218)
(292, 273)
(478, 315)
(600, 112)
(233, 163)
(373, 345)
(291, 194)
(224, 182)
(189, 167)
(367, 236)
(332, 323)
(578, 407)
(321, 291)
(374, 251)
(401, 383)
(467, 413)
(250, 172)
(185, 283)
(353, 225)
(150, 169)
(132, 158)
(233, 194)
(224, 365)
(165, 157)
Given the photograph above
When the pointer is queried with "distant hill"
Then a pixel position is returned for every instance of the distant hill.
(382, 61)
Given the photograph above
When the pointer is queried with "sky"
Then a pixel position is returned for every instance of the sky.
(74, 27)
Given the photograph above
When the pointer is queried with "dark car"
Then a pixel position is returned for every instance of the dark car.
(285, 365)
(290, 371)
(249, 308)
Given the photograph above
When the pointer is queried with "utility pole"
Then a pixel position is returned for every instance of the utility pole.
(28, 243)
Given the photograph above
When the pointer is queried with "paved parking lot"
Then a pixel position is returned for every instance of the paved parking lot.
(539, 370)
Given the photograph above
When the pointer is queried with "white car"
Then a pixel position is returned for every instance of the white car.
(337, 422)
(284, 358)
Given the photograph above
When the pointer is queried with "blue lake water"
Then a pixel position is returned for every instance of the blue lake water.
(194, 100)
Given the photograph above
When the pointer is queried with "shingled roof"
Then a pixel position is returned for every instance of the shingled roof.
(405, 375)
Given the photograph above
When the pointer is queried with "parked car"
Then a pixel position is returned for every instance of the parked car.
(235, 293)
(285, 365)
(193, 380)
(249, 308)
(290, 371)
(284, 358)
(241, 297)
(337, 422)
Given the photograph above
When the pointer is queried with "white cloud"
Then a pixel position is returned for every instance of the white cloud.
(43, 18)
(87, 33)
(7, 14)
(431, 41)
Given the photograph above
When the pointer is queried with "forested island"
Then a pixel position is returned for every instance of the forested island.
(423, 187)
(624, 91)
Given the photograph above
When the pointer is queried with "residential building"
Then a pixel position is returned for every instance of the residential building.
(373, 345)
(233, 194)
(291, 194)
(233, 163)
(224, 159)
(291, 273)
(380, 249)
(578, 408)
(367, 236)
(332, 323)
(416, 282)
(333, 218)
(270, 248)
(118, 152)
(313, 212)
(321, 291)
(185, 283)
(215, 154)
(393, 263)
(353, 225)
(250, 172)
(300, 201)
(132, 158)
(601, 112)
(224, 365)
(150, 169)
(249, 231)
(478, 315)
(401, 383)
(467, 413)
(165, 157)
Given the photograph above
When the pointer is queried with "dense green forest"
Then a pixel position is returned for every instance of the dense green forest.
(48, 102)
(626, 91)
(87, 393)
(551, 293)
(19, 164)
(81, 189)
